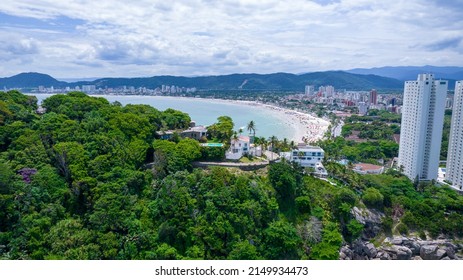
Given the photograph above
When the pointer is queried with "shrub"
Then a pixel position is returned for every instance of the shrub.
(402, 229)
(373, 198)
(303, 204)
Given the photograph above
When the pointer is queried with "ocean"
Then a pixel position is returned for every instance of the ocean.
(206, 112)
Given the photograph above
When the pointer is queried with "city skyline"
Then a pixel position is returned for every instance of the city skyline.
(117, 38)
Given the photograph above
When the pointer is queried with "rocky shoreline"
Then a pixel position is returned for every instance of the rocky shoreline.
(403, 248)
(396, 247)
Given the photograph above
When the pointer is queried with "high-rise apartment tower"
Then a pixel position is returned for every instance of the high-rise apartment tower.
(421, 127)
(454, 171)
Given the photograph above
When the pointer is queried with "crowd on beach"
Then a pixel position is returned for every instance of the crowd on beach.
(307, 128)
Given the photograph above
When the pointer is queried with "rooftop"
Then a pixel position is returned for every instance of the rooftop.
(199, 128)
(243, 138)
(367, 167)
(302, 146)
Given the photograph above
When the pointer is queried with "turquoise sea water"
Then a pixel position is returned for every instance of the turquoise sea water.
(206, 112)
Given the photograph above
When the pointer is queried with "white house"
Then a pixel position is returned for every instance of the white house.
(307, 156)
(238, 147)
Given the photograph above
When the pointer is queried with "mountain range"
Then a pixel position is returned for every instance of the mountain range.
(386, 78)
(406, 73)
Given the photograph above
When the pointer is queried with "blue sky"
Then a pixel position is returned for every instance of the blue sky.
(104, 38)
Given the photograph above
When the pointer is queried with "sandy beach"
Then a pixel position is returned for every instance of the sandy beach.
(307, 128)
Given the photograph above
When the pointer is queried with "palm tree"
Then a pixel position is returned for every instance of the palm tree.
(240, 130)
(252, 127)
(285, 144)
(264, 142)
(273, 140)
(292, 145)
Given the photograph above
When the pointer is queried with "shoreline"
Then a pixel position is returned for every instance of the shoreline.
(306, 127)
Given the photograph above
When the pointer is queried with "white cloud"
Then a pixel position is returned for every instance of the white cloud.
(141, 38)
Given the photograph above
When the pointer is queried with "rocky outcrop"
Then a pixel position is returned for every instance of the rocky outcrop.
(403, 248)
(371, 220)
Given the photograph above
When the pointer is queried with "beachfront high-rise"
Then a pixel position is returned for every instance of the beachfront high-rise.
(454, 171)
(421, 127)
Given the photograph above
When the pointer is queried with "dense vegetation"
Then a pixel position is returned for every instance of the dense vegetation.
(371, 151)
(382, 125)
(445, 134)
(75, 184)
(423, 208)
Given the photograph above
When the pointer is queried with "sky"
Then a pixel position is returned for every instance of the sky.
(142, 38)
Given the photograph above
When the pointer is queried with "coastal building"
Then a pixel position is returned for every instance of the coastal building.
(88, 88)
(165, 135)
(363, 108)
(196, 132)
(454, 170)
(421, 127)
(367, 168)
(238, 147)
(307, 156)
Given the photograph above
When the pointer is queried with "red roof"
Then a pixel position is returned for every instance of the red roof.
(367, 166)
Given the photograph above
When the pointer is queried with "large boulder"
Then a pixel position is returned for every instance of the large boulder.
(428, 252)
(399, 252)
(412, 245)
(404, 253)
(441, 253)
(382, 255)
(398, 240)
(370, 250)
(346, 253)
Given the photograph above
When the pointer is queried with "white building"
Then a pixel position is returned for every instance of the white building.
(363, 108)
(307, 156)
(421, 127)
(238, 147)
(329, 91)
(309, 90)
(195, 132)
(454, 170)
(89, 88)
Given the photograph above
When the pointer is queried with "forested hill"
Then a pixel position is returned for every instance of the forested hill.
(30, 80)
(75, 184)
(276, 81)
